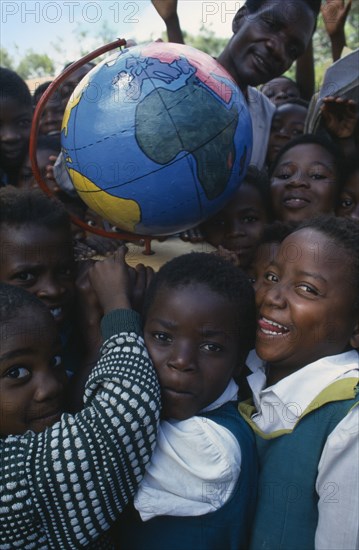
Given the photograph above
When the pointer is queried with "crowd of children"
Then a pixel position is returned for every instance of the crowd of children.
(213, 404)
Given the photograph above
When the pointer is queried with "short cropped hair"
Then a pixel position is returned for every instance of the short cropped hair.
(12, 86)
(40, 91)
(13, 299)
(295, 101)
(221, 277)
(31, 206)
(344, 232)
(255, 5)
(277, 231)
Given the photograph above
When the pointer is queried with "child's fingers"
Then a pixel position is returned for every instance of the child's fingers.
(109, 270)
(193, 235)
(49, 172)
(102, 246)
(120, 254)
(111, 281)
(144, 276)
(150, 273)
(331, 99)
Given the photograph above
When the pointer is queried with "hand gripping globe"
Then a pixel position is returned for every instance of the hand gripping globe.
(157, 138)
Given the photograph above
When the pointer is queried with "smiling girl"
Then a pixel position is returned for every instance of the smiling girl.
(305, 390)
(305, 179)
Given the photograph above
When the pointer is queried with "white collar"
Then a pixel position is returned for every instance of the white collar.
(305, 384)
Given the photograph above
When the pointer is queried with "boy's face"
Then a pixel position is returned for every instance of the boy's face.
(192, 338)
(288, 123)
(238, 227)
(41, 261)
(51, 118)
(15, 125)
(303, 184)
(349, 198)
(279, 90)
(32, 378)
(267, 41)
(305, 303)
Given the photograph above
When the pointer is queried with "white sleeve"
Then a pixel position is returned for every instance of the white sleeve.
(193, 470)
(338, 487)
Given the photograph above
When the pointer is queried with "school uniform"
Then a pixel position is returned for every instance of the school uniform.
(200, 487)
(307, 438)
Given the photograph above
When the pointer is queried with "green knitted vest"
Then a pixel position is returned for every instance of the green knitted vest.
(287, 514)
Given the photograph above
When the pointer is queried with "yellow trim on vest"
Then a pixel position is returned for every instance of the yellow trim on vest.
(346, 388)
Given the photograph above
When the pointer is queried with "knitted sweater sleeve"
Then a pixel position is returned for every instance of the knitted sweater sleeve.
(64, 487)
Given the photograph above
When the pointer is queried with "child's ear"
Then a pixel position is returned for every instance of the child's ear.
(238, 18)
(354, 340)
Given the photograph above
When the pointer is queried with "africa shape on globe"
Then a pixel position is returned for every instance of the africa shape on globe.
(156, 138)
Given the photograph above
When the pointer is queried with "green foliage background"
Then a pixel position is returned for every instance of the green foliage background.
(33, 64)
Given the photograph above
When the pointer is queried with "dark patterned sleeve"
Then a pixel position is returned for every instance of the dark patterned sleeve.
(80, 473)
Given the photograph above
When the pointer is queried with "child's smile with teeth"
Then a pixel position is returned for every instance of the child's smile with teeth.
(271, 328)
(304, 294)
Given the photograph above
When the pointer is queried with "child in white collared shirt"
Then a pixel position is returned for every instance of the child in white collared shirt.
(305, 390)
(199, 490)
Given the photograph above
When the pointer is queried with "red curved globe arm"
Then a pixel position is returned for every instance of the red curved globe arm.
(34, 133)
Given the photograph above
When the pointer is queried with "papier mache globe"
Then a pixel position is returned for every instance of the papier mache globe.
(157, 138)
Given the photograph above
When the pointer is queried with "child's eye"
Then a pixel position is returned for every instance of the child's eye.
(318, 176)
(346, 203)
(249, 219)
(17, 372)
(25, 277)
(271, 277)
(214, 348)
(162, 337)
(308, 289)
(283, 175)
(56, 361)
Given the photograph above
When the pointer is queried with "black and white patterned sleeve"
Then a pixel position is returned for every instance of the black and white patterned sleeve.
(83, 471)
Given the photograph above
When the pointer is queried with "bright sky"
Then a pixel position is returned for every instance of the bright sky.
(38, 25)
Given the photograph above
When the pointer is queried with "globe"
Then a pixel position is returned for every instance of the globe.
(156, 138)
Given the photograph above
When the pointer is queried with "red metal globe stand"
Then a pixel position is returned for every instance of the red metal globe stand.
(131, 237)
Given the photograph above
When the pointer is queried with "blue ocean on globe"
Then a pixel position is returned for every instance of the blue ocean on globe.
(157, 138)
